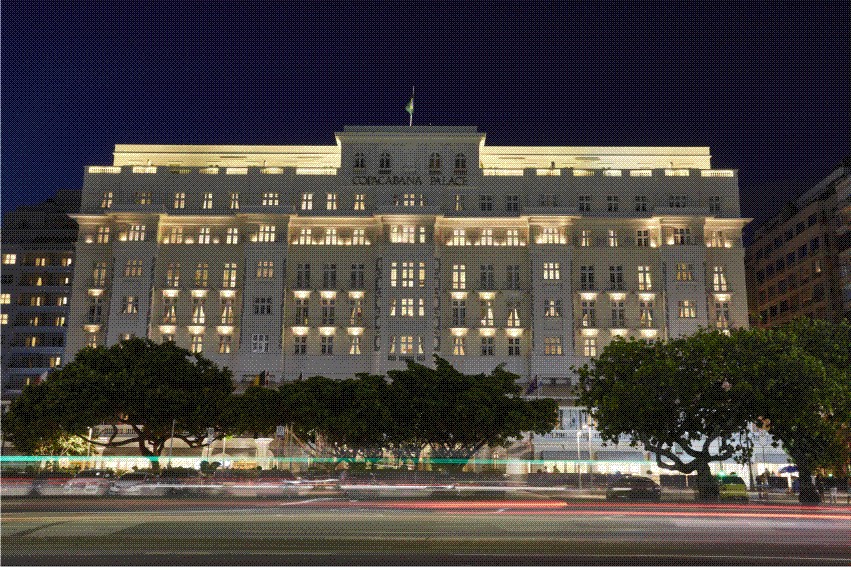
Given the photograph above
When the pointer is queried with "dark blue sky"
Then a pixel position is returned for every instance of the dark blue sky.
(764, 84)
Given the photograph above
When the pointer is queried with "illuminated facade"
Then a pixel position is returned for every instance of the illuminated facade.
(399, 243)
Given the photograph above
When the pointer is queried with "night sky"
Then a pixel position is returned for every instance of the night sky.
(764, 84)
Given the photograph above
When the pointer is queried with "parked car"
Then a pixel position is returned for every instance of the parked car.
(180, 482)
(16, 483)
(51, 483)
(133, 484)
(90, 482)
(732, 487)
(633, 488)
(256, 483)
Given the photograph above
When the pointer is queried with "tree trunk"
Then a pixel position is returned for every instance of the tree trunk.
(707, 487)
(808, 493)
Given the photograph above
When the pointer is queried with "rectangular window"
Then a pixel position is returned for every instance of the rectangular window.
(130, 305)
(357, 276)
(486, 280)
(208, 201)
(133, 269)
(616, 277)
(612, 203)
(305, 236)
(136, 233)
(302, 276)
(459, 237)
(99, 274)
(486, 237)
(589, 313)
(234, 201)
(262, 305)
(676, 201)
(142, 198)
(586, 278)
(458, 346)
(459, 202)
(199, 316)
(331, 237)
(459, 313)
(685, 272)
(552, 308)
(172, 275)
(106, 200)
(229, 275)
(613, 238)
(552, 271)
(197, 344)
(513, 309)
(354, 344)
(327, 345)
(331, 202)
(180, 200)
(201, 273)
(360, 202)
(716, 239)
(548, 200)
(682, 236)
(618, 315)
(299, 345)
(687, 309)
(95, 309)
(175, 235)
(307, 201)
(270, 200)
(329, 276)
(586, 238)
(513, 346)
(359, 237)
(585, 203)
(356, 312)
(459, 276)
(103, 235)
(722, 315)
(259, 343)
(552, 346)
(328, 310)
(266, 233)
(232, 236)
(715, 204)
(645, 282)
(204, 235)
(640, 203)
(589, 346)
(486, 312)
(224, 344)
(646, 317)
(719, 279)
(512, 203)
(227, 311)
(512, 237)
(5, 298)
(302, 311)
(487, 346)
(486, 203)
(512, 280)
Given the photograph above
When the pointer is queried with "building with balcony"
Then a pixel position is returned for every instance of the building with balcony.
(398, 243)
(799, 263)
(37, 267)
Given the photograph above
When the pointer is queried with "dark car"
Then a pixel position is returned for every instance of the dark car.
(633, 488)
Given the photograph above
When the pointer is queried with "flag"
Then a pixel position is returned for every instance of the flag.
(533, 385)
(410, 108)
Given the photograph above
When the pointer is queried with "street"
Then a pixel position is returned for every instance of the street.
(341, 531)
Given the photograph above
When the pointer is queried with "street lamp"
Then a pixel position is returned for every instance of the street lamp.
(578, 458)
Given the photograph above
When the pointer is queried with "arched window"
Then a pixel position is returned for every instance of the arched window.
(384, 163)
(360, 161)
(460, 164)
(434, 163)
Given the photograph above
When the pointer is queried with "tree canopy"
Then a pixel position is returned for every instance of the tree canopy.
(146, 386)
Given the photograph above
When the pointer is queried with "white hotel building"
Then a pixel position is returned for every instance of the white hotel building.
(398, 243)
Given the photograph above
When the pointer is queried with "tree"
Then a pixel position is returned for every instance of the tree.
(803, 372)
(679, 399)
(257, 412)
(458, 414)
(149, 387)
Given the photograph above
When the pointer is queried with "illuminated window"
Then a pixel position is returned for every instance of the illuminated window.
(172, 275)
(646, 308)
(229, 276)
(92, 340)
(589, 313)
(717, 241)
(613, 238)
(307, 201)
(169, 311)
(208, 201)
(512, 237)
(552, 271)
(4, 318)
(405, 234)
(10, 258)
(359, 237)
(232, 236)
(552, 308)
(552, 346)
(719, 279)
(486, 238)
(354, 344)
(513, 319)
(197, 344)
(459, 237)
(589, 346)
(722, 315)
(459, 276)
(270, 200)
(142, 198)
(234, 201)
(175, 235)
(459, 202)
(331, 236)
(458, 346)
(360, 202)
(586, 238)
(305, 236)
(227, 311)
(198, 314)
(224, 344)
(408, 274)
(5, 299)
(642, 237)
(106, 200)
(331, 202)
(201, 273)
(265, 269)
(486, 312)
(302, 311)
(549, 235)
(259, 343)
(204, 235)
(130, 305)
(103, 235)
(644, 280)
(136, 233)
(685, 272)
(266, 234)
(356, 312)
(133, 269)
(687, 309)
(180, 200)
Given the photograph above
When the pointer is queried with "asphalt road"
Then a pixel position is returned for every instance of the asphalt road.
(337, 531)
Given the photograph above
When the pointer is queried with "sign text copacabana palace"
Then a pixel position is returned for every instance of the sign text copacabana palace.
(398, 243)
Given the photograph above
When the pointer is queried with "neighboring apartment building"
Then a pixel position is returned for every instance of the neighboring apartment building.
(399, 243)
(37, 267)
(798, 261)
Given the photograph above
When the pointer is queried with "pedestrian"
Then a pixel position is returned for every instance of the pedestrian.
(820, 487)
(834, 489)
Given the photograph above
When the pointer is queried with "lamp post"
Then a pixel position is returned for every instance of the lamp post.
(171, 443)
(578, 458)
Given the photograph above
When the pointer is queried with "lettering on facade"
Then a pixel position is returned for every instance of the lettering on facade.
(407, 180)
